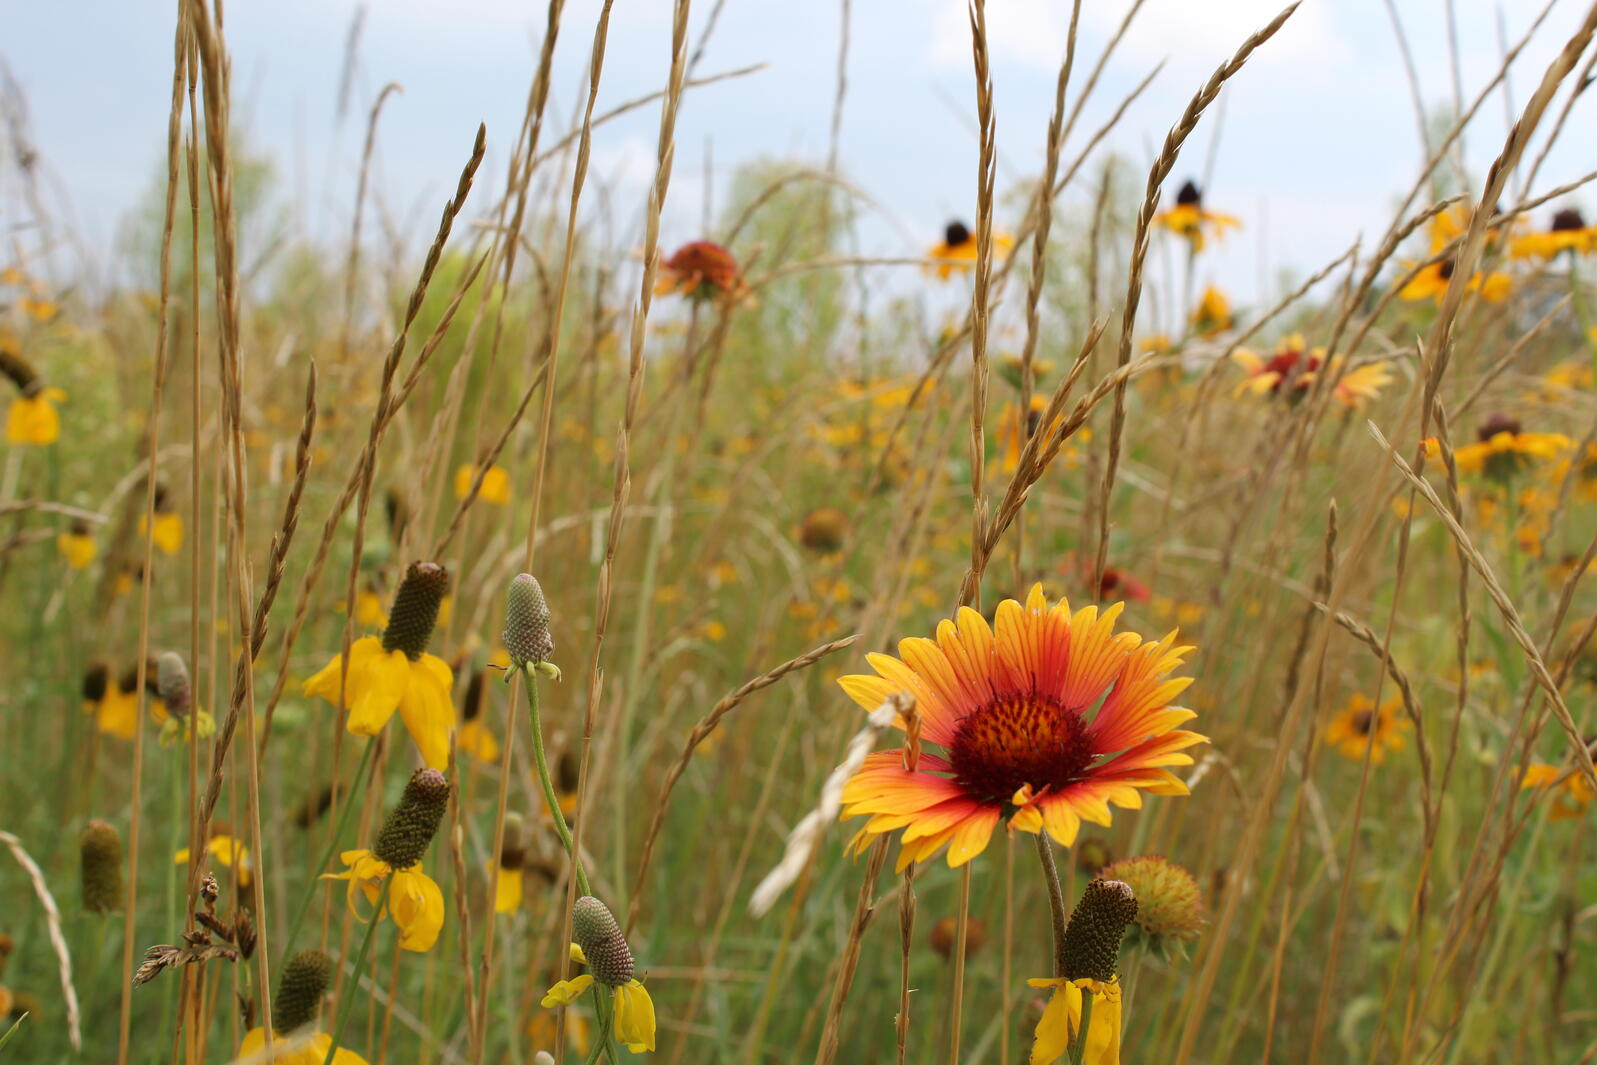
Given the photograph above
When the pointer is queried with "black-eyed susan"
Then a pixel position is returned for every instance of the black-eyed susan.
(1043, 720)
(957, 252)
(1212, 315)
(1292, 369)
(390, 876)
(76, 545)
(1359, 725)
(1191, 220)
(226, 850)
(31, 420)
(396, 672)
(824, 530)
(1014, 431)
(1503, 449)
(167, 533)
(1169, 904)
(1431, 282)
(1568, 232)
(601, 946)
(475, 738)
(495, 486)
(295, 1038)
(508, 867)
(1574, 794)
(701, 270)
(1086, 986)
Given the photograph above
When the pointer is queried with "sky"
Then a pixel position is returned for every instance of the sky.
(1311, 144)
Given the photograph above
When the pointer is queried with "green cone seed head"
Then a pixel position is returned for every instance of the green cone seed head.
(300, 990)
(415, 612)
(513, 853)
(1092, 939)
(100, 854)
(412, 824)
(172, 681)
(96, 679)
(596, 932)
(527, 622)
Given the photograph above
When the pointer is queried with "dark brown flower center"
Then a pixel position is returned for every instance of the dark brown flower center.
(1019, 740)
(1362, 722)
(1189, 195)
(1568, 219)
(956, 234)
(1498, 423)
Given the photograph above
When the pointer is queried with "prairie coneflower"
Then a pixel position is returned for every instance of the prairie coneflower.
(1169, 904)
(1087, 961)
(77, 545)
(603, 949)
(475, 738)
(1014, 431)
(701, 270)
(495, 487)
(1043, 723)
(1359, 725)
(1212, 315)
(31, 419)
(396, 672)
(1569, 232)
(390, 873)
(507, 868)
(294, 1012)
(1189, 219)
(168, 525)
(1503, 450)
(226, 850)
(957, 252)
(1574, 796)
(1292, 369)
(1432, 281)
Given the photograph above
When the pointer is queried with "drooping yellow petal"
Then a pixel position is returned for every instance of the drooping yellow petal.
(426, 708)
(417, 906)
(377, 693)
(507, 890)
(634, 1019)
(565, 992)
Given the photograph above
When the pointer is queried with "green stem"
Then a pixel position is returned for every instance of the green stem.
(327, 852)
(344, 1006)
(1078, 1045)
(549, 797)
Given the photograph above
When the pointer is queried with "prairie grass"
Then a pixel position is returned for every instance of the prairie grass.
(733, 473)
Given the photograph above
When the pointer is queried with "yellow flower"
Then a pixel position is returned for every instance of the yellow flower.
(1359, 725)
(410, 897)
(76, 547)
(495, 484)
(1569, 232)
(1061, 1019)
(229, 852)
(1431, 283)
(369, 612)
(1011, 442)
(1213, 313)
(1574, 796)
(1291, 362)
(1189, 219)
(168, 535)
(1503, 450)
(634, 1009)
(382, 681)
(507, 888)
(957, 252)
(477, 740)
(116, 713)
(32, 420)
(310, 1049)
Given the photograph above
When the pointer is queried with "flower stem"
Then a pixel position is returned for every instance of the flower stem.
(549, 797)
(1056, 899)
(348, 1000)
(332, 844)
(1078, 1045)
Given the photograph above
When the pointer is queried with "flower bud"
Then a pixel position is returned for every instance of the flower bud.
(513, 852)
(1092, 939)
(596, 932)
(410, 827)
(172, 683)
(415, 611)
(526, 632)
(1169, 904)
(100, 865)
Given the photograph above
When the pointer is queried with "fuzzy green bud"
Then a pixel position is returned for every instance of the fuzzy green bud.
(415, 610)
(526, 632)
(172, 681)
(594, 928)
(1092, 939)
(300, 990)
(410, 827)
(100, 865)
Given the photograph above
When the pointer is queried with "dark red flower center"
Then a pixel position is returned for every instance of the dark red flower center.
(1286, 363)
(1568, 219)
(1498, 423)
(1018, 740)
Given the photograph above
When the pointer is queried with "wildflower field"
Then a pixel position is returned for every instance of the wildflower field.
(547, 633)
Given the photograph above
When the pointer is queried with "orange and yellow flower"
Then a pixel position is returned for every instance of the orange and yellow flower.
(1569, 232)
(1293, 368)
(1212, 315)
(957, 252)
(1574, 794)
(1044, 720)
(1359, 725)
(1503, 449)
(701, 270)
